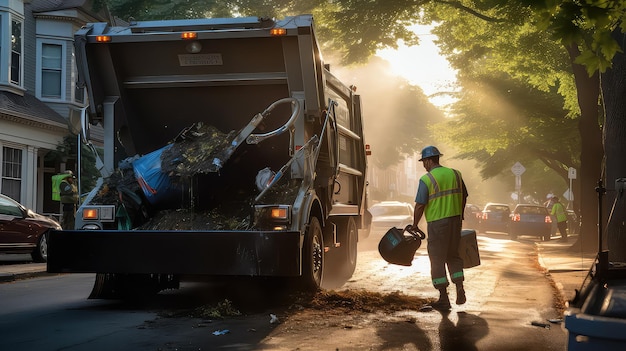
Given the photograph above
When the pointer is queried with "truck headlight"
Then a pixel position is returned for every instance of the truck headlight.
(274, 217)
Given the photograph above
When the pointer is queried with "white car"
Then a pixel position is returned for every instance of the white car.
(387, 214)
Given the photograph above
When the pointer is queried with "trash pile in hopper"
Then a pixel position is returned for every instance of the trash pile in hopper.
(193, 151)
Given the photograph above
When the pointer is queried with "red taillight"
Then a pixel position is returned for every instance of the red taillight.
(485, 216)
(516, 217)
(548, 219)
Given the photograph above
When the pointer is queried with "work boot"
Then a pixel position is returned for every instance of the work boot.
(443, 304)
(460, 294)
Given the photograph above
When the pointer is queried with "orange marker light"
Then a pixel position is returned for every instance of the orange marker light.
(103, 38)
(188, 35)
(90, 213)
(279, 213)
(278, 31)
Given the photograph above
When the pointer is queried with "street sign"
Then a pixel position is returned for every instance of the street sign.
(518, 169)
(572, 173)
(568, 195)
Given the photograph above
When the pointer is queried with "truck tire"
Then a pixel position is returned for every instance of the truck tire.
(312, 256)
(41, 251)
(348, 250)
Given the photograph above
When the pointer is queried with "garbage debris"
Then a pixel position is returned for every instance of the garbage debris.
(221, 332)
(264, 178)
(273, 319)
(540, 324)
(219, 311)
(195, 150)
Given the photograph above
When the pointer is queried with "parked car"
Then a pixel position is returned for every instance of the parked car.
(24, 231)
(495, 217)
(533, 220)
(387, 214)
(471, 216)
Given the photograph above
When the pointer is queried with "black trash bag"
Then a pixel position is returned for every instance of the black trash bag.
(398, 248)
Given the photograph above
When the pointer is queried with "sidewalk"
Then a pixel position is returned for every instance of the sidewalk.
(567, 267)
(12, 272)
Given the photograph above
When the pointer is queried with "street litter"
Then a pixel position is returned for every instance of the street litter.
(540, 324)
(273, 319)
(221, 332)
(556, 320)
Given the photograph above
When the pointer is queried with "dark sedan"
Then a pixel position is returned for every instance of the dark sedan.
(495, 217)
(533, 220)
(24, 231)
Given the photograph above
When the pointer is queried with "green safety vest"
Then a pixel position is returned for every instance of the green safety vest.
(445, 193)
(559, 211)
(56, 183)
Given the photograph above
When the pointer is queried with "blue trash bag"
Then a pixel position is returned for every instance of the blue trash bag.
(156, 185)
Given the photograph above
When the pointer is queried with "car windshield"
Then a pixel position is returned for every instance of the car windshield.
(390, 210)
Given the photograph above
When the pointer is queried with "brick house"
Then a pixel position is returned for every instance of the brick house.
(37, 92)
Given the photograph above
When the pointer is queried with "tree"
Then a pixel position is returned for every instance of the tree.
(592, 32)
(614, 88)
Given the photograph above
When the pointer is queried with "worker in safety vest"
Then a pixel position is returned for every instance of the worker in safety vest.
(69, 199)
(441, 197)
(558, 211)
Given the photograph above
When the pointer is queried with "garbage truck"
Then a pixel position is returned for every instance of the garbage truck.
(228, 149)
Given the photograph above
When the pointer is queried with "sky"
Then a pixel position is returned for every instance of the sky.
(422, 65)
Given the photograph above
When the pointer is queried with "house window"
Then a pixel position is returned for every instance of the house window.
(16, 52)
(51, 70)
(12, 172)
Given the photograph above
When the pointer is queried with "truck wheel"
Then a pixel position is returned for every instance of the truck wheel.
(312, 256)
(41, 251)
(348, 248)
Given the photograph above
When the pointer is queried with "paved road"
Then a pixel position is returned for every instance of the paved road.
(506, 294)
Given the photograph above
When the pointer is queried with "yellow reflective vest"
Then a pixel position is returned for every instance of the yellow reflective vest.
(445, 193)
(558, 210)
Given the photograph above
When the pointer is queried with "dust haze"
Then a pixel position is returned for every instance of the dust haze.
(386, 100)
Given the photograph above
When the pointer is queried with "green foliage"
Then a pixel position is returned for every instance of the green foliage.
(501, 120)
(587, 24)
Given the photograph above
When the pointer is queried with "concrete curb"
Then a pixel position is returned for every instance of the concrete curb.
(13, 272)
(11, 277)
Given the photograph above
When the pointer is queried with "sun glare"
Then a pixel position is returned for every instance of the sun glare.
(423, 66)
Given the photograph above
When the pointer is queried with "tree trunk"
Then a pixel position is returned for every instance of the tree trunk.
(588, 88)
(614, 95)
